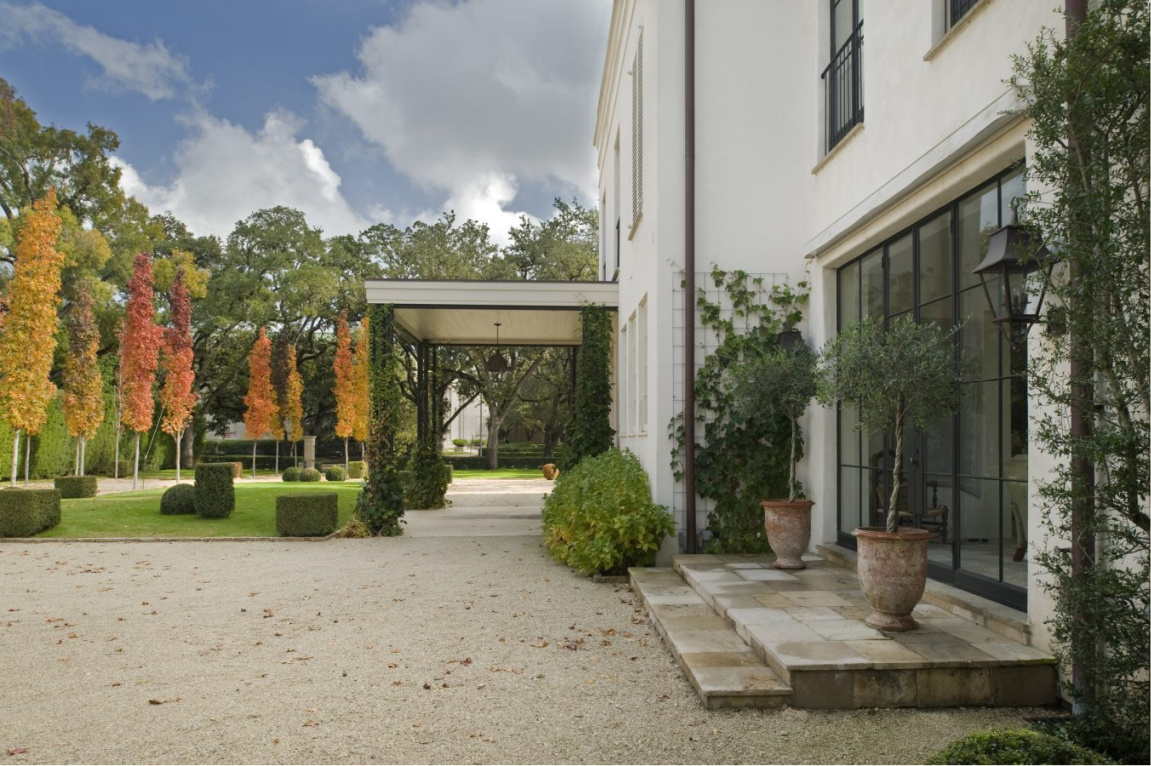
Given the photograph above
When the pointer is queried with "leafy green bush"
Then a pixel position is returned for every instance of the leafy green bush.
(178, 499)
(314, 514)
(1015, 746)
(310, 474)
(590, 432)
(429, 480)
(357, 469)
(215, 497)
(292, 473)
(76, 486)
(600, 517)
(1121, 740)
(335, 473)
(24, 512)
(460, 443)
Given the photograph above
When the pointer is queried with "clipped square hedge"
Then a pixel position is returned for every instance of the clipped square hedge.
(312, 514)
(215, 496)
(76, 486)
(357, 469)
(25, 512)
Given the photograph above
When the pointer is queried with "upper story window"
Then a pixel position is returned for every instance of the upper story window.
(843, 77)
(637, 134)
(957, 9)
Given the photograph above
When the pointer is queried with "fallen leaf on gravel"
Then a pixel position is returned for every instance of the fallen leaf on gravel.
(397, 683)
(427, 686)
(117, 683)
(310, 722)
(17, 750)
(466, 661)
(163, 702)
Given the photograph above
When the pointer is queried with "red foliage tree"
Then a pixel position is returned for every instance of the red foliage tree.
(261, 399)
(83, 388)
(177, 395)
(345, 389)
(139, 355)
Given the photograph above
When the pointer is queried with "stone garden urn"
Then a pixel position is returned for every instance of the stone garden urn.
(788, 525)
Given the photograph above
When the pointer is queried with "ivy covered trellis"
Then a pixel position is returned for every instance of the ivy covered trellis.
(591, 432)
(742, 459)
(381, 503)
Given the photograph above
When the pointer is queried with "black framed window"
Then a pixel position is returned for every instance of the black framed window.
(843, 77)
(957, 9)
(965, 475)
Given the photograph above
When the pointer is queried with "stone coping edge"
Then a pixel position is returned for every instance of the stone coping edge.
(39, 540)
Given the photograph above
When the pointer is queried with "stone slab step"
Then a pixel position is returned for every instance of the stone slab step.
(808, 627)
(724, 671)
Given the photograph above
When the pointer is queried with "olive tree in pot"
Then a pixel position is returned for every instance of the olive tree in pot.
(906, 372)
(783, 380)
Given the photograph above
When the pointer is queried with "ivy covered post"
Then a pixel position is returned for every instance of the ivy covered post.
(429, 472)
(591, 432)
(381, 503)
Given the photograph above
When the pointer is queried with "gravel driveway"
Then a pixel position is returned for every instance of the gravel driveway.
(424, 648)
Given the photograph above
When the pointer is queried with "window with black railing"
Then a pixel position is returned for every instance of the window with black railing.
(843, 77)
(957, 9)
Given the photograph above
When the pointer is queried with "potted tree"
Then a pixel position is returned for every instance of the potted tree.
(784, 380)
(906, 372)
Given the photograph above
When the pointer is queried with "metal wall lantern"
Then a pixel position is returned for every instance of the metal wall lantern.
(1014, 275)
(496, 364)
(788, 339)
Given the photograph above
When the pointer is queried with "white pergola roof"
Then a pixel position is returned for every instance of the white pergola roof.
(464, 313)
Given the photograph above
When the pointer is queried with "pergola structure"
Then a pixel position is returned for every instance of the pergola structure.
(431, 313)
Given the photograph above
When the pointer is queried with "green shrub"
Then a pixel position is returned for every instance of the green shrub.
(292, 473)
(314, 514)
(357, 469)
(335, 473)
(310, 474)
(24, 512)
(429, 480)
(1015, 746)
(76, 486)
(600, 517)
(215, 496)
(124, 468)
(460, 443)
(178, 499)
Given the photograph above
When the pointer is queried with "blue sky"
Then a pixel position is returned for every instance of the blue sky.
(355, 111)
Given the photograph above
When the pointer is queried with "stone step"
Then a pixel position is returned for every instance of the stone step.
(724, 671)
(808, 627)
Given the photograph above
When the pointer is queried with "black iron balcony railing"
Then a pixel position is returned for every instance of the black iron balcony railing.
(843, 83)
(958, 9)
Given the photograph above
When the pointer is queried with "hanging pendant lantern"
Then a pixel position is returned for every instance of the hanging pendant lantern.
(497, 365)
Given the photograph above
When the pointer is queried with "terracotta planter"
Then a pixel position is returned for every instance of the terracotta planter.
(892, 573)
(788, 530)
(550, 471)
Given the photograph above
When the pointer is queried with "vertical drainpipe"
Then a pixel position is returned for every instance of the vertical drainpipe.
(689, 275)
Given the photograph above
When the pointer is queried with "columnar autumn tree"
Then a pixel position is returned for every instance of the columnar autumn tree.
(28, 339)
(261, 399)
(177, 395)
(344, 390)
(361, 385)
(280, 386)
(83, 388)
(139, 355)
(293, 398)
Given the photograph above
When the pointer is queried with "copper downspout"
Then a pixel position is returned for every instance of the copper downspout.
(689, 276)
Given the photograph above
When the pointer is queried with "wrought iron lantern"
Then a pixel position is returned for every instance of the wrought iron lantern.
(789, 339)
(1014, 275)
(497, 365)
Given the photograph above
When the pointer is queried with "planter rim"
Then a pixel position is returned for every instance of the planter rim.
(910, 534)
(787, 503)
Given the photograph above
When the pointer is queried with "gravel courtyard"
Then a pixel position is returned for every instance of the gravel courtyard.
(425, 648)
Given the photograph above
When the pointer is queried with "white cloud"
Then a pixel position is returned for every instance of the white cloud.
(226, 173)
(148, 69)
(477, 97)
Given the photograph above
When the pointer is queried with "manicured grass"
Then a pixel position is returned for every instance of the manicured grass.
(137, 514)
(499, 473)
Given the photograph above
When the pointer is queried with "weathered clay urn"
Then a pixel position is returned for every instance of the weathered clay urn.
(550, 471)
(892, 574)
(788, 530)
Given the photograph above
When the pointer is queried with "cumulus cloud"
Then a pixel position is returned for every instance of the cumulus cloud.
(148, 69)
(477, 97)
(226, 172)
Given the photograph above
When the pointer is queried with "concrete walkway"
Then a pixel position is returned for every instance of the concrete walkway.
(484, 508)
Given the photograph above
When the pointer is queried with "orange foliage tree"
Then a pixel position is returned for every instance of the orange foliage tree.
(28, 339)
(361, 385)
(293, 398)
(177, 395)
(345, 389)
(83, 388)
(139, 355)
(260, 416)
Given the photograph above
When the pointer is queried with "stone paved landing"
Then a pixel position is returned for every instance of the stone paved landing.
(722, 668)
(808, 627)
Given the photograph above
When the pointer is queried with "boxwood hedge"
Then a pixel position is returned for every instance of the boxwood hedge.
(215, 497)
(76, 486)
(1015, 746)
(25, 512)
(292, 473)
(311, 514)
(310, 474)
(335, 473)
(178, 499)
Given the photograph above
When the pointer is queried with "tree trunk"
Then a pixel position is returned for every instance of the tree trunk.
(27, 458)
(179, 439)
(892, 512)
(791, 473)
(253, 458)
(345, 456)
(493, 441)
(15, 456)
(76, 459)
(187, 445)
(116, 462)
(83, 454)
(295, 457)
(136, 463)
(277, 471)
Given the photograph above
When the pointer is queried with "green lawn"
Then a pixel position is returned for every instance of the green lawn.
(137, 514)
(500, 473)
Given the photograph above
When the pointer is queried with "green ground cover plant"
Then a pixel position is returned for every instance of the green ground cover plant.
(1022, 746)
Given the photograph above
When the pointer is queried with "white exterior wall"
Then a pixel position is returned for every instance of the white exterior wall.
(769, 198)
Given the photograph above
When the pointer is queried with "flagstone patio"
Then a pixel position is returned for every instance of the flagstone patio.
(749, 635)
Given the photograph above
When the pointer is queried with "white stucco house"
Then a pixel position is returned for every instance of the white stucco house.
(869, 148)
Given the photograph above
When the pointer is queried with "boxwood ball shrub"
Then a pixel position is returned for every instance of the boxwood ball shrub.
(292, 474)
(313, 514)
(24, 512)
(357, 469)
(1015, 746)
(310, 474)
(76, 486)
(600, 517)
(335, 473)
(178, 500)
(215, 496)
